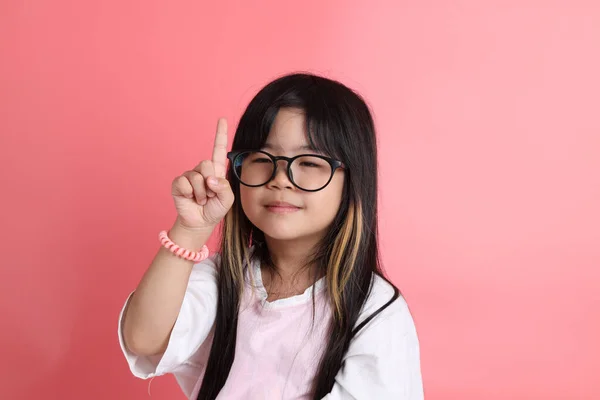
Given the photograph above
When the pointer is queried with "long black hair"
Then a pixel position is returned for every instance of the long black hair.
(340, 125)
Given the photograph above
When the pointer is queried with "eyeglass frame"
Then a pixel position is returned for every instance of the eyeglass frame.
(335, 164)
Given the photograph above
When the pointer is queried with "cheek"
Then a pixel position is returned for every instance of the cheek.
(329, 199)
(248, 200)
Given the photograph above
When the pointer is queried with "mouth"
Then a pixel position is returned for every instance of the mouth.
(281, 207)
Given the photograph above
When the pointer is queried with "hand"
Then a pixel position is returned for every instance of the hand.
(203, 196)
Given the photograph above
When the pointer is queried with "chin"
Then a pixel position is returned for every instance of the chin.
(280, 232)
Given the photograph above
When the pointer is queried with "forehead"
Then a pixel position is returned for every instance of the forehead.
(288, 132)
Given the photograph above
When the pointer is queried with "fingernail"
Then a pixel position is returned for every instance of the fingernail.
(213, 181)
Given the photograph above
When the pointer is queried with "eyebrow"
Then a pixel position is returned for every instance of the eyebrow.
(272, 147)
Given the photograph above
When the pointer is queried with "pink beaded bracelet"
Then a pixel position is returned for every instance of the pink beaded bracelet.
(181, 252)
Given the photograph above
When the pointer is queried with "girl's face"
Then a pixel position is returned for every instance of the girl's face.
(310, 213)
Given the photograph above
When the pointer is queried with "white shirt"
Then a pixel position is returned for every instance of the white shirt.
(279, 347)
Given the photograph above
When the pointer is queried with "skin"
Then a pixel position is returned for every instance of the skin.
(290, 236)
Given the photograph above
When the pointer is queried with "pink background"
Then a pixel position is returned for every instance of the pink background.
(489, 127)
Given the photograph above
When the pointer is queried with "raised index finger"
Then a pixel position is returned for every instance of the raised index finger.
(219, 156)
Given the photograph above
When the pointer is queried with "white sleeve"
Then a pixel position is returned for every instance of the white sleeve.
(383, 360)
(194, 323)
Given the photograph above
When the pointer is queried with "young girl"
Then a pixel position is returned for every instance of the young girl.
(294, 305)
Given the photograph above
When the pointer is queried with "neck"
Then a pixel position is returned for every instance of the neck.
(290, 261)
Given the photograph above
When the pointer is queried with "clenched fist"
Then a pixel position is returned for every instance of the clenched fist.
(203, 196)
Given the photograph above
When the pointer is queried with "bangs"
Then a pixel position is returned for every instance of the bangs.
(323, 131)
(322, 134)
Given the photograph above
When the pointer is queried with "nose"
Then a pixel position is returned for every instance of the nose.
(281, 179)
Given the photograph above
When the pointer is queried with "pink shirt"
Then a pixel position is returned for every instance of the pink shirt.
(279, 347)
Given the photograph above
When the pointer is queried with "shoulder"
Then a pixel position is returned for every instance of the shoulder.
(385, 308)
(383, 358)
(206, 268)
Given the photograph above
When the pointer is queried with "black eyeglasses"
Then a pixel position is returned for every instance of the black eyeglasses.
(308, 172)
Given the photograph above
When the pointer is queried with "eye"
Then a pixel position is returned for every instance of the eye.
(261, 160)
(258, 158)
(309, 164)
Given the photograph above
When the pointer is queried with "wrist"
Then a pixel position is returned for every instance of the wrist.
(189, 238)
